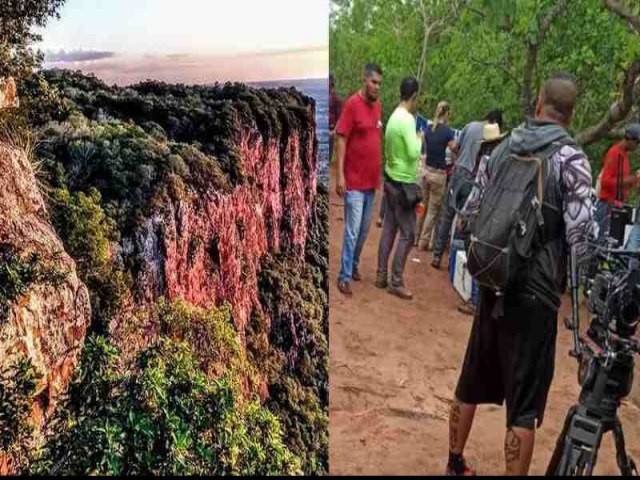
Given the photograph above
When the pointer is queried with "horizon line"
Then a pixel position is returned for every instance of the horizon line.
(177, 54)
(211, 83)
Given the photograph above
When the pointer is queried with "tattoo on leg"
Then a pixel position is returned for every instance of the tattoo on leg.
(454, 420)
(512, 447)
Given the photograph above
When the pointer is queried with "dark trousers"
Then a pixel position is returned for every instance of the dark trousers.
(397, 219)
(459, 185)
(383, 205)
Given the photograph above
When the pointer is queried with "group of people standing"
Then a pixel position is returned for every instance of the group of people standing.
(511, 350)
(415, 172)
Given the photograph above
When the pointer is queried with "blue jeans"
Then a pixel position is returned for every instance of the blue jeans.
(358, 206)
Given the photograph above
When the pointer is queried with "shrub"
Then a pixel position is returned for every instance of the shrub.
(87, 233)
(165, 417)
(17, 389)
(297, 363)
(211, 336)
(18, 272)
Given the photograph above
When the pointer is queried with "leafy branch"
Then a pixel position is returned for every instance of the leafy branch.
(533, 45)
(620, 109)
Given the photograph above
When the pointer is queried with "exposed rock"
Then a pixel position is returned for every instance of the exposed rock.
(207, 249)
(8, 93)
(47, 323)
(210, 189)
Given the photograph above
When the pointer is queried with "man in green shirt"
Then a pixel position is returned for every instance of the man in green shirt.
(401, 156)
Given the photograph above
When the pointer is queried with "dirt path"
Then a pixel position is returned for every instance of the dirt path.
(394, 366)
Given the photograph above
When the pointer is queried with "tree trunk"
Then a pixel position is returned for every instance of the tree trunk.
(528, 106)
(617, 112)
(544, 24)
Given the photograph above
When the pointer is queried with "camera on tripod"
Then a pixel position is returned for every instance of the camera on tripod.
(614, 295)
(606, 359)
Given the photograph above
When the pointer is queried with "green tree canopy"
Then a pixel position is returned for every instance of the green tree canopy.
(17, 20)
(485, 54)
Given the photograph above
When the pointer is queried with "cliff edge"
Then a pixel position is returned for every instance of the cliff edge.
(44, 307)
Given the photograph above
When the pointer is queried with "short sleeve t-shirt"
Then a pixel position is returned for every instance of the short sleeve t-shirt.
(469, 144)
(360, 123)
(615, 159)
(436, 142)
(402, 147)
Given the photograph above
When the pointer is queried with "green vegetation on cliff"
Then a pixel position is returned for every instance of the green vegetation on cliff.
(198, 396)
(17, 387)
(19, 270)
(175, 389)
(164, 417)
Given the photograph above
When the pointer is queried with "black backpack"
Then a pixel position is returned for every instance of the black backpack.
(509, 225)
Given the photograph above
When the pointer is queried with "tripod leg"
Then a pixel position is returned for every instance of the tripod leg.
(577, 449)
(552, 469)
(626, 464)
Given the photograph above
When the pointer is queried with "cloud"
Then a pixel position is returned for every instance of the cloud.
(206, 69)
(77, 56)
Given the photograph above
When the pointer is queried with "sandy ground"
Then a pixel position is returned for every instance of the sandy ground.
(394, 366)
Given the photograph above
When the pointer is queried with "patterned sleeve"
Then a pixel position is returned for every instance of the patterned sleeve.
(580, 226)
(482, 179)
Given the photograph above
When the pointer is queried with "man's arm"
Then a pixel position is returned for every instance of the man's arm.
(336, 116)
(578, 207)
(412, 140)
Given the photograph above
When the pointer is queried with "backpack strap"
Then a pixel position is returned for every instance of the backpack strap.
(548, 152)
(542, 157)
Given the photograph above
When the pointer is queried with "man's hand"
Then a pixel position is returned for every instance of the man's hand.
(340, 185)
(420, 135)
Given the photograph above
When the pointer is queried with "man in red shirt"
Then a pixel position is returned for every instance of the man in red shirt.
(615, 178)
(359, 153)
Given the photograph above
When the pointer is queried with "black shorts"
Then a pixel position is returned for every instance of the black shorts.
(511, 358)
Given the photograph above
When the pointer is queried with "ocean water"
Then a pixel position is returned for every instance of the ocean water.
(318, 89)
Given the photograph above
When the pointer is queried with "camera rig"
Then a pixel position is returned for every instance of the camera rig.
(606, 359)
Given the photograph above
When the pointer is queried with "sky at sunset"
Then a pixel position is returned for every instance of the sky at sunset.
(190, 41)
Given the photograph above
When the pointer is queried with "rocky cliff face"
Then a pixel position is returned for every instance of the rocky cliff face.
(207, 249)
(44, 308)
(205, 195)
(197, 236)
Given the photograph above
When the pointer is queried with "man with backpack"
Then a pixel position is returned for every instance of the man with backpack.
(535, 203)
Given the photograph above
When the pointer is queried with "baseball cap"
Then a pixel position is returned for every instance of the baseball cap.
(633, 131)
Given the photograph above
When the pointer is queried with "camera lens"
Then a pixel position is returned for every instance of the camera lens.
(627, 318)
